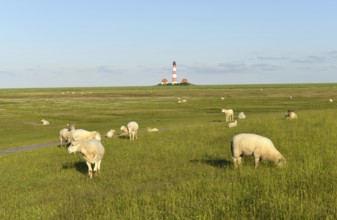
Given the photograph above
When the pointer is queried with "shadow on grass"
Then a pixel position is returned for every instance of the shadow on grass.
(214, 162)
(80, 166)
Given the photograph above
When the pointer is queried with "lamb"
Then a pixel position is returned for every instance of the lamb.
(93, 152)
(233, 124)
(241, 115)
(252, 144)
(44, 122)
(152, 129)
(131, 129)
(110, 133)
(291, 114)
(84, 135)
(229, 113)
(65, 134)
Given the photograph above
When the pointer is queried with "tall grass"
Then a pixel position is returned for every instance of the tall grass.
(182, 172)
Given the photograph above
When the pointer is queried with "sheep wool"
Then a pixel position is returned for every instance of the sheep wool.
(93, 152)
(131, 129)
(110, 133)
(84, 135)
(65, 134)
(229, 113)
(233, 124)
(252, 144)
(241, 115)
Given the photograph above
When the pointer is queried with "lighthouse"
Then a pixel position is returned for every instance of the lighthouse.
(174, 73)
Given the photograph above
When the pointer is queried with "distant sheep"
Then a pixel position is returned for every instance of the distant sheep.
(152, 129)
(290, 115)
(110, 133)
(84, 135)
(229, 113)
(330, 100)
(131, 129)
(44, 122)
(241, 115)
(93, 152)
(65, 134)
(252, 144)
(233, 124)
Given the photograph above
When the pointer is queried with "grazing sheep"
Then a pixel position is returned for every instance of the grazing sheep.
(241, 115)
(110, 133)
(65, 134)
(184, 101)
(152, 129)
(131, 129)
(222, 98)
(291, 114)
(233, 124)
(330, 100)
(44, 122)
(229, 113)
(252, 144)
(93, 152)
(84, 135)
(290, 97)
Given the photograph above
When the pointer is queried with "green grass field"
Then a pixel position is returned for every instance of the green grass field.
(185, 170)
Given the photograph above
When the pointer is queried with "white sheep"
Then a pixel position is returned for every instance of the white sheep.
(65, 134)
(131, 129)
(233, 124)
(84, 135)
(110, 133)
(252, 144)
(93, 152)
(291, 115)
(241, 115)
(229, 113)
(44, 122)
(330, 100)
(152, 129)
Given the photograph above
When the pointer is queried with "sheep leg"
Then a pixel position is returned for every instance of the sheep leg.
(237, 161)
(89, 169)
(61, 141)
(257, 160)
(97, 167)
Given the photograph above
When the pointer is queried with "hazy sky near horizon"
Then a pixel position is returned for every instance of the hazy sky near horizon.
(75, 43)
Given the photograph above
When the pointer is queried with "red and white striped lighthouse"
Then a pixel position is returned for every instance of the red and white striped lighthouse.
(174, 73)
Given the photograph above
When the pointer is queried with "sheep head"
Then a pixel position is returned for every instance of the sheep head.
(281, 161)
(74, 147)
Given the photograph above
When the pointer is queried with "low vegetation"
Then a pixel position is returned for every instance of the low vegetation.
(185, 170)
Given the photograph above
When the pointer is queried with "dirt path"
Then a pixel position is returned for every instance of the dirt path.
(30, 147)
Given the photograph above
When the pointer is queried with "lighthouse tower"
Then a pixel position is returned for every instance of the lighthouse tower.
(174, 73)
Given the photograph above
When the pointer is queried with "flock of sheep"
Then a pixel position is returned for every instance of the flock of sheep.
(89, 142)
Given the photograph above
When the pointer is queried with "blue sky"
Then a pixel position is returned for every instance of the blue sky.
(72, 43)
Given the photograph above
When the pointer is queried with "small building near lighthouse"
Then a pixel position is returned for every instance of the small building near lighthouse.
(184, 81)
(164, 81)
